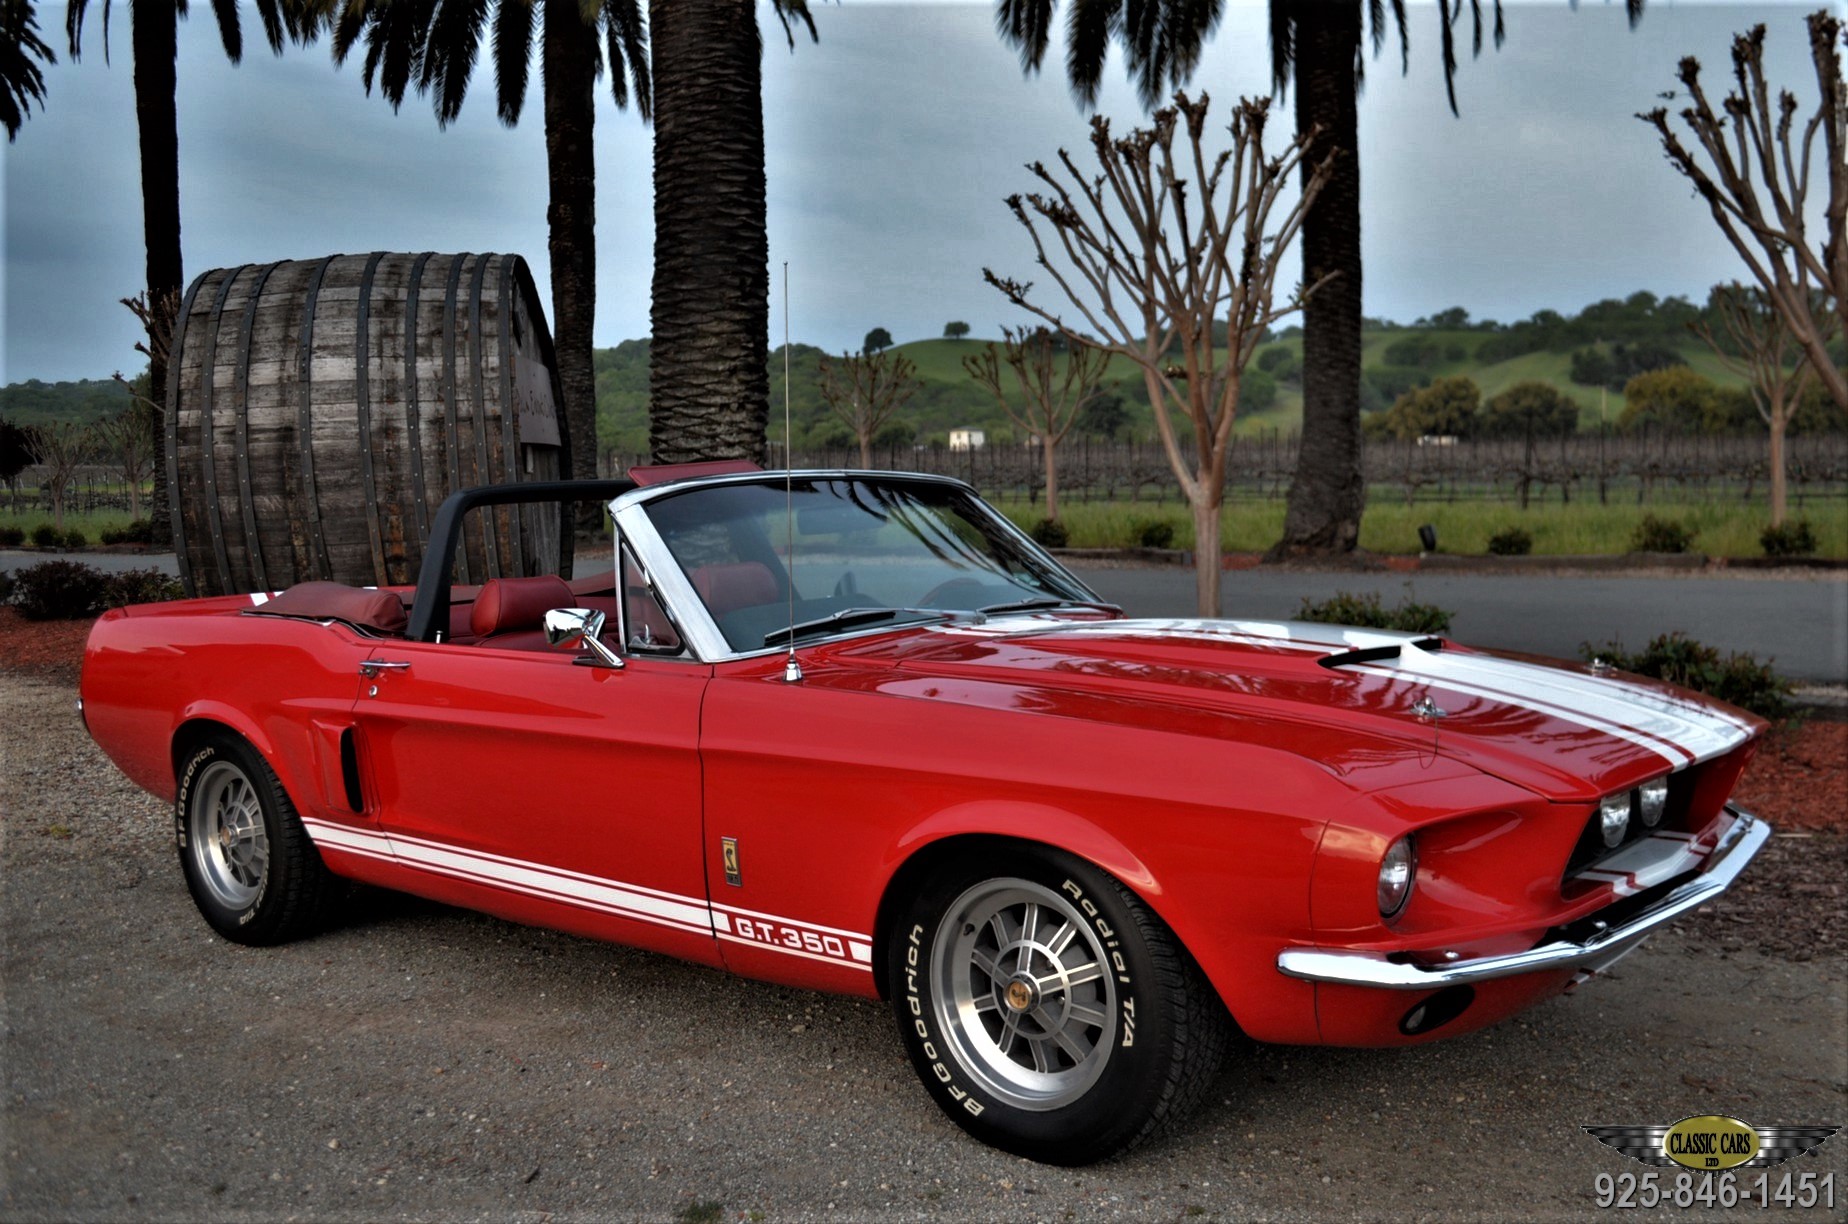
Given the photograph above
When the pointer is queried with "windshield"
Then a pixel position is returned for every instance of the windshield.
(868, 553)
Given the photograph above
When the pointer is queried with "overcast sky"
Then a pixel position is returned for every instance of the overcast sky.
(891, 144)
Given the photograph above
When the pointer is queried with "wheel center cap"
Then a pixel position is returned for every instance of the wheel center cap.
(1018, 995)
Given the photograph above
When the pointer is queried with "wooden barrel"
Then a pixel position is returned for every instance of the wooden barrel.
(318, 411)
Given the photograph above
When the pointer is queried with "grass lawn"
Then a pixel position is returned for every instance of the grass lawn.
(1728, 529)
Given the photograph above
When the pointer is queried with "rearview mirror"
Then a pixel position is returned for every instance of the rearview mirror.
(580, 629)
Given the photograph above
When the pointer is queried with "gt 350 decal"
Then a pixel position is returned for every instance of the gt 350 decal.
(787, 936)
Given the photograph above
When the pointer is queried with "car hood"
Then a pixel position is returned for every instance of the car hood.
(1562, 731)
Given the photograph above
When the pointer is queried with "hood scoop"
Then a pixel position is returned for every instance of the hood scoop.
(1376, 654)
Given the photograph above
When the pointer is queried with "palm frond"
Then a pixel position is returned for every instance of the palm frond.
(625, 30)
(798, 10)
(395, 35)
(1282, 43)
(513, 53)
(269, 12)
(1028, 25)
(21, 51)
(449, 55)
(74, 13)
(1188, 26)
(230, 31)
(1446, 22)
(1090, 26)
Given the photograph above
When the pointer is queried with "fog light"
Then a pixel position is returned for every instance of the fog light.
(1654, 803)
(1396, 872)
(1614, 818)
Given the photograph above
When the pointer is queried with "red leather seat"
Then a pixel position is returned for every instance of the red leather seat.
(726, 588)
(510, 612)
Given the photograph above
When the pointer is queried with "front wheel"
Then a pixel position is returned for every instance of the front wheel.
(251, 869)
(1047, 1010)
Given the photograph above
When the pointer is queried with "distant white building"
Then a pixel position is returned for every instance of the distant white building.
(968, 439)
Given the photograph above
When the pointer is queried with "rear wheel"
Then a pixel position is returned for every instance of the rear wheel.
(1047, 1010)
(249, 864)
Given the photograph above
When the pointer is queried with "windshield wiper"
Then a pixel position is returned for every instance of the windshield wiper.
(1050, 601)
(848, 617)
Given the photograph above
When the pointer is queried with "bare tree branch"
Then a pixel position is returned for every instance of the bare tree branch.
(1182, 254)
(865, 390)
(1756, 184)
(1051, 397)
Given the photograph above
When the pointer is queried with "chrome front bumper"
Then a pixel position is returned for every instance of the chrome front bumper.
(1737, 848)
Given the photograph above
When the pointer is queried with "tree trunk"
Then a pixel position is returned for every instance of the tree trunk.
(1206, 549)
(1779, 486)
(1327, 493)
(707, 383)
(154, 32)
(866, 450)
(569, 64)
(1052, 477)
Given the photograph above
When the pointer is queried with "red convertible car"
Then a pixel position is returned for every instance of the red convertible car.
(853, 731)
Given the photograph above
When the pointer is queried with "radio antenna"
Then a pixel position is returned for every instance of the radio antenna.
(792, 670)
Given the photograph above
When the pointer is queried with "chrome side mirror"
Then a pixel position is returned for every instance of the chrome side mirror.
(580, 629)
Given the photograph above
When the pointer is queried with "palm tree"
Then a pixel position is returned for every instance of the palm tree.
(708, 387)
(154, 37)
(431, 46)
(1319, 45)
(21, 81)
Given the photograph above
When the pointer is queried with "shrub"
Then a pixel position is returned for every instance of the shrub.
(1050, 533)
(137, 586)
(1152, 533)
(74, 538)
(12, 537)
(1738, 678)
(46, 536)
(59, 590)
(139, 531)
(1511, 542)
(6, 586)
(1791, 538)
(1365, 611)
(1660, 535)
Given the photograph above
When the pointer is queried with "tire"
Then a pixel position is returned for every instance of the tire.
(251, 869)
(1049, 1013)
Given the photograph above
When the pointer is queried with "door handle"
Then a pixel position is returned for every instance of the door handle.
(371, 668)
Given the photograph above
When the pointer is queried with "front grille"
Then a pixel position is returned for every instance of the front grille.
(1590, 849)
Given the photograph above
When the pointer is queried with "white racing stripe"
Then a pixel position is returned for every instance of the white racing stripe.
(852, 949)
(1678, 732)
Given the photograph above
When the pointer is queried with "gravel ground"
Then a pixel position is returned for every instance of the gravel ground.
(425, 1063)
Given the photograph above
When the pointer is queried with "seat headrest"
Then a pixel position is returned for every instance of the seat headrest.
(509, 604)
(726, 588)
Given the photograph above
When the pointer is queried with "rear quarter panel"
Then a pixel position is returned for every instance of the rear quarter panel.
(149, 670)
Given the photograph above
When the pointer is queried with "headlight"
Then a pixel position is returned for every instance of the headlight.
(1614, 817)
(1396, 872)
(1654, 801)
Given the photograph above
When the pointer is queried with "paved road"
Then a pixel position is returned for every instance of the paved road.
(1799, 618)
(424, 1063)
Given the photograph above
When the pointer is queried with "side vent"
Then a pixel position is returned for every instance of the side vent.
(349, 771)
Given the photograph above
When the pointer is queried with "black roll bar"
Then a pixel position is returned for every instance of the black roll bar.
(430, 607)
